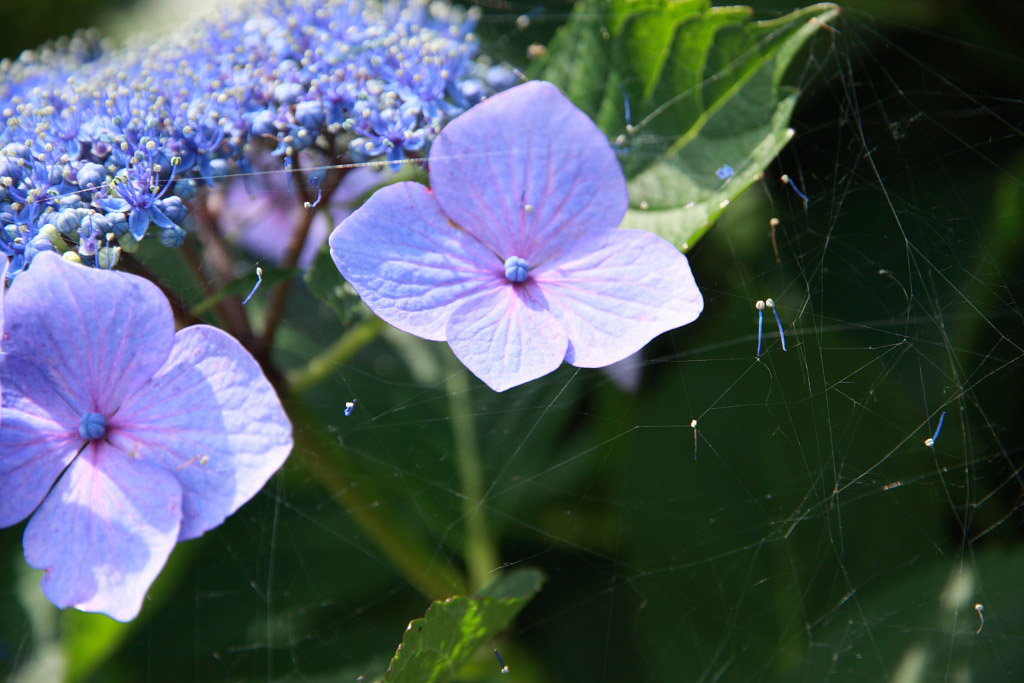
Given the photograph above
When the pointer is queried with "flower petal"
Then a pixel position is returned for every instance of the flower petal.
(104, 532)
(506, 336)
(407, 261)
(615, 291)
(211, 419)
(138, 223)
(527, 146)
(96, 335)
(77, 340)
(4, 265)
(38, 438)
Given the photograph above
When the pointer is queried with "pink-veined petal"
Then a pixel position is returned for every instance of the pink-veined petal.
(525, 167)
(615, 291)
(407, 261)
(507, 336)
(4, 265)
(210, 418)
(104, 532)
(96, 335)
(38, 438)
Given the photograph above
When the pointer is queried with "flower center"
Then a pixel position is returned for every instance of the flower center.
(92, 426)
(516, 269)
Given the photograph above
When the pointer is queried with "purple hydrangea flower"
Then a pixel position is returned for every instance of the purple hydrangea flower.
(119, 436)
(514, 257)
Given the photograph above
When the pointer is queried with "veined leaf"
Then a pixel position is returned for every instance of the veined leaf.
(437, 645)
(704, 87)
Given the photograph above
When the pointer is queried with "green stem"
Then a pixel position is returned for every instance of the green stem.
(403, 546)
(479, 549)
(320, 367)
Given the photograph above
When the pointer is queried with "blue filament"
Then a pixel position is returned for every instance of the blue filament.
(939, 428)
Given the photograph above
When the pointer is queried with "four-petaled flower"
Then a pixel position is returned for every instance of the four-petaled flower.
(119, 436)
(514, 256)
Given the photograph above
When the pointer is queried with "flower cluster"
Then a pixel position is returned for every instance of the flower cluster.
(514, 255)
(120, 437)
(99, 145)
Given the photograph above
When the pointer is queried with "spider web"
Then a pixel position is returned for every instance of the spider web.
(734, 517)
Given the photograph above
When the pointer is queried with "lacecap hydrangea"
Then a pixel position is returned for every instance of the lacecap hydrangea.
(101, 148)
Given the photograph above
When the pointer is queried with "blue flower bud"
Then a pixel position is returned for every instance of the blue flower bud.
(93, 225)
(66, 221)
(16, 150)
(36, 245)
(185, 189)
(309, 114)
(117, 223)
(72, 201)
(172, 237)
(173, 208)
(286, 93)
(501, 77)
(264, 123)
(91, 176)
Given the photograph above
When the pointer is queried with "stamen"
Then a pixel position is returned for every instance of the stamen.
(92, 426)
(516, 269)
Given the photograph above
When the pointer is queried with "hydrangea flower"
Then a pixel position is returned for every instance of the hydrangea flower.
(514, 256)
(119, 436)
(102, 144)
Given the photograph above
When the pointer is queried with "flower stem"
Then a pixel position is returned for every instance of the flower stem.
(421, 566)
(279, 296)
(480, 552)
(327, 361)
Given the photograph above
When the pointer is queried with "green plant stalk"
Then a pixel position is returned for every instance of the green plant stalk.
(329, 463)
(334, 356)
(479, 549)
(404, 548)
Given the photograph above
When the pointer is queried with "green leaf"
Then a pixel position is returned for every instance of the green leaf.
(577, 58)
(705, 87)
(327, 285)
(436, 646)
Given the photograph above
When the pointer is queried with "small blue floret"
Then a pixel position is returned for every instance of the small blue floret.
(92, 426)
(724, 172)
(516, 269)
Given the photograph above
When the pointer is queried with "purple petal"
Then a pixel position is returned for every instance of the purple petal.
(138, 223)
(4, 265)
(113, 204)
(212, 420)
(507, 336)
(159, 217)
(104, 532)
(77, 340)
(527, 146)
(38, 438)
(626, 373)
(615, 291)
(96, 335)
(407, 261)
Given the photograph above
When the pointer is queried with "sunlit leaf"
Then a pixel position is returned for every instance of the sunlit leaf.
(706, 94)
(436, 646)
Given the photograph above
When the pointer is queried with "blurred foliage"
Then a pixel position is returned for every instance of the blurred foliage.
(29, 24)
